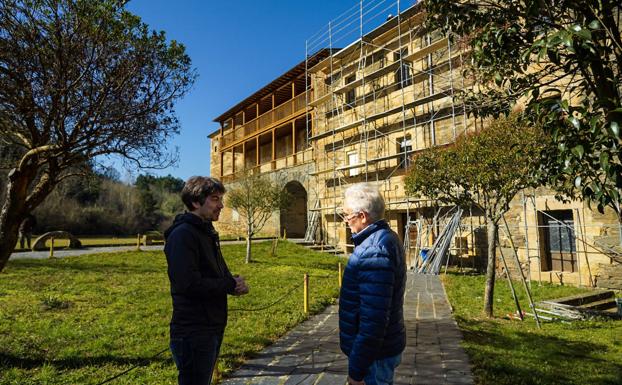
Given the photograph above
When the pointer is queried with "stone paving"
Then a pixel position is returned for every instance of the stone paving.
(62, 253)
(310, 355)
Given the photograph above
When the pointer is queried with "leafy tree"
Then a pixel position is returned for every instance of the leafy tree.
(158, 198)
(80, 79)
(256, 197)
(167, 183)
(484, 169)
(563, 59)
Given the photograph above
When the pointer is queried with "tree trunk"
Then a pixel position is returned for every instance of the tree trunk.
(13, 211)
(248, 249)
(493, 229)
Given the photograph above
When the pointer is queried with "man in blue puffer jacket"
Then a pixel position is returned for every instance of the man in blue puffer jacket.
(371, 318)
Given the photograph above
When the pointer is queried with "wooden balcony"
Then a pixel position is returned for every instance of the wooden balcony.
(301, 157)
(264, 122)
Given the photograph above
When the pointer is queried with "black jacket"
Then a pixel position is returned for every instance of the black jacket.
(200, 279)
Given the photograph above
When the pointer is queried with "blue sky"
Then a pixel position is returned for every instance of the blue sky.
(237, 47)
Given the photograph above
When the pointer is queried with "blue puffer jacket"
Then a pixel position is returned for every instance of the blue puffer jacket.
(371, 318)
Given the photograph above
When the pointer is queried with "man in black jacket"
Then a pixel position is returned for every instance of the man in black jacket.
(200, 281)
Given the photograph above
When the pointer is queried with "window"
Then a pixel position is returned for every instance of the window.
(378, 57)
(235, 215)
(351, 94)
(404, 148)
(353, 158)
(560, 253)
(403, 75)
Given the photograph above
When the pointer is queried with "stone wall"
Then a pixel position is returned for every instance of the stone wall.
(232, 224)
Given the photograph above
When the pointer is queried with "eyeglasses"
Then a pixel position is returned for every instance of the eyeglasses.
(348, 217)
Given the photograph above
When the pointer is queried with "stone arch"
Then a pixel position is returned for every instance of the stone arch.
(294, 217)
(74, 243)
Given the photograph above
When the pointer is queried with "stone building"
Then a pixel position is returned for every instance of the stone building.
(359, 114)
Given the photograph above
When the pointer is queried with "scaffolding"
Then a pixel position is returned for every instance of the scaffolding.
(393, 90)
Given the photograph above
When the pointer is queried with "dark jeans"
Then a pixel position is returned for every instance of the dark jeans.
(381, 372)
(195, 358)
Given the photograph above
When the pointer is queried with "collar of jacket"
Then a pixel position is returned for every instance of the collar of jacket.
(359, 237)
(197, 221)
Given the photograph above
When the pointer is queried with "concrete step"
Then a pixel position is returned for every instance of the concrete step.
(604, 304)
(586, 298)
(320, 247)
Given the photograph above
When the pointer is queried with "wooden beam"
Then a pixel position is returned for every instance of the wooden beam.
(258, 155)
(243, 155)
(293, 137)
(273, 146)
(222, 158)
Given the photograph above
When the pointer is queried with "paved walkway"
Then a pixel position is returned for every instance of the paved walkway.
(61, 253)
(310, 355)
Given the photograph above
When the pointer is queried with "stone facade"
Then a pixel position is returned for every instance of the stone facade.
(369, 108)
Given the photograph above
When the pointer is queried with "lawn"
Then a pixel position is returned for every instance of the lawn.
(83, 319)
(505, 351)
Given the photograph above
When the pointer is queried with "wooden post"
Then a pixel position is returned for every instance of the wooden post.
(294, 140)
(258, 159)
(340, 274)
(138, 242)
(52, 247)
(306, 294)
(273, 160)
(275, 243)
(522, 277)
(507, 272)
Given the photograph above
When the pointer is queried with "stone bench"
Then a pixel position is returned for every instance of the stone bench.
(39, 244)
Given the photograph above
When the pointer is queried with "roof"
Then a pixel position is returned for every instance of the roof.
(288, 76)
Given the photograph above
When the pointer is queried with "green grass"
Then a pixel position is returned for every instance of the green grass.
(505, 351)
(80, 320)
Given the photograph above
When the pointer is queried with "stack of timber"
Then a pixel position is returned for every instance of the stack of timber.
(580, 307)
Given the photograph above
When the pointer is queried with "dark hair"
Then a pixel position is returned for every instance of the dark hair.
(197, 188)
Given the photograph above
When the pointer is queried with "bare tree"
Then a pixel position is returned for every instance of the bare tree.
(256, 197)
(80, 80)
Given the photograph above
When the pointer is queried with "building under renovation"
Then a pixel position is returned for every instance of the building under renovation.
(375, 88)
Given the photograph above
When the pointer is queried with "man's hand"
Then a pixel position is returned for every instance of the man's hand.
(241, 287)
(354, 382)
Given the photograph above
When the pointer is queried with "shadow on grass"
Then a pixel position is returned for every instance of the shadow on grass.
(533, 358)
(80, 265)
(8, 361)
(327, 266)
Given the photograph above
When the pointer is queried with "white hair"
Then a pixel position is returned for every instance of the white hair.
(364, 197)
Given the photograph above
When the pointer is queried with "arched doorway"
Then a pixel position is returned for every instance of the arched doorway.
(294, 217)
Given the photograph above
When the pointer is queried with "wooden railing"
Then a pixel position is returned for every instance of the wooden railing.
(265, 120)
(298, 158)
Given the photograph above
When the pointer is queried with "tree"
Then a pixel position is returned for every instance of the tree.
(484, 169)
(563, 59)
(81, 80)
(256, 197)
